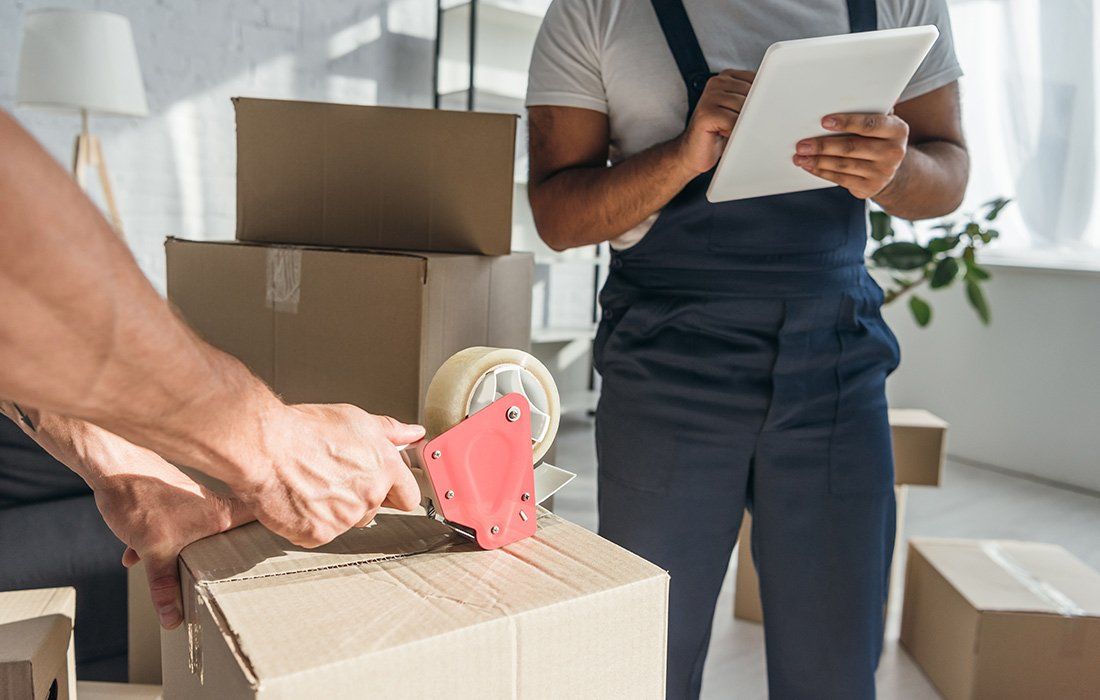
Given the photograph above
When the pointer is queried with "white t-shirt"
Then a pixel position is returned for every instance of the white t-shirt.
(610, 56)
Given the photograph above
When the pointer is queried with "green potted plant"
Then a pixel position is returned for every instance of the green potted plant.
(948, 256)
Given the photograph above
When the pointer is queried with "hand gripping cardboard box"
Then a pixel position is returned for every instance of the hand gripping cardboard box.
(919, 439)
(374, 177)
(36, 644)
(328, 325)
(408, 608)
(1002, 620)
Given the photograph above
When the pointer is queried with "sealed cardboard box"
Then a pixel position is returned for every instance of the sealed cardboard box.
(919, 438)
(1002, 619)
(368, 328)
(410, 609)
(374, 177)
(36, 644)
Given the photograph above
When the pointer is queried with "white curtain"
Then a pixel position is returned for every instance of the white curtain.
(1031, 116)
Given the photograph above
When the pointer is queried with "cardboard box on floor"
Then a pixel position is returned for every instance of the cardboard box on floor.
(36, 644)
(374, 177)
(368, 328)
(1003, 620)
(408, 608)
(920, 440)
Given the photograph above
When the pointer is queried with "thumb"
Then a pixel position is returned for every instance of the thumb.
(399, 433)
(164, 588)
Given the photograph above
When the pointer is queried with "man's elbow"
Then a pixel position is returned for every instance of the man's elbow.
(551, 227)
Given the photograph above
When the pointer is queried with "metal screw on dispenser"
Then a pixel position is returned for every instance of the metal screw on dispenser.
(495, 530)
(449, 495)
(437, 454)
(513, 414)
(526, 497)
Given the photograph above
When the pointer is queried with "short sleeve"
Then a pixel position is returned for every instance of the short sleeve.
(940, 66)
(565, 64)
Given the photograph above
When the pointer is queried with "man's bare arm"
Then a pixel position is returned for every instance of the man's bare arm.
(578, 200)
(83, 334)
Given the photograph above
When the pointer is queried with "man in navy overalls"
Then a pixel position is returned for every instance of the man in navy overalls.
(742, 351)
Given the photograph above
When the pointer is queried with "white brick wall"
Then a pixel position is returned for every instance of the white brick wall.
(174, 170)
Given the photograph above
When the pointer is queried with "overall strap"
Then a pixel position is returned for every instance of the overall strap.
(685, 48)
(862, 15)
(681, 39)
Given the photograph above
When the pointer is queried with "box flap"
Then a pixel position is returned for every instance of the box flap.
(1013, 576)
(23, 605)
(279, 603)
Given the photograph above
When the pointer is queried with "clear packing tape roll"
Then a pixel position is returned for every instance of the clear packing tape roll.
(475, 377)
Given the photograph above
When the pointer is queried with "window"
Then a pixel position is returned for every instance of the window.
(1030, 110)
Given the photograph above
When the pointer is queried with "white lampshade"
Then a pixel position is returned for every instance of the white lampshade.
(79, 59)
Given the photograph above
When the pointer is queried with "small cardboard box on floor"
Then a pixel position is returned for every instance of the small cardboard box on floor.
(1002, 620)
(919, 439)
(331, 325)
(410, 609)
(374, 177)
(36, 644)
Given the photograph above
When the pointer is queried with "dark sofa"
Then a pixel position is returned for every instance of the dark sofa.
(51, 534)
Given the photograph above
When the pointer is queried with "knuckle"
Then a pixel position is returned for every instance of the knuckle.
(870, 121)
(848, 144)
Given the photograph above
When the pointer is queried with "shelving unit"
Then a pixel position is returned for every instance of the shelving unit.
(482, 52)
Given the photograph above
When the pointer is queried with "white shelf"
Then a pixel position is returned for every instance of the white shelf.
(506, 33)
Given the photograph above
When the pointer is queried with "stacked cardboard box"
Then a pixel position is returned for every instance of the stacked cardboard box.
(919, 439)
(373, 243)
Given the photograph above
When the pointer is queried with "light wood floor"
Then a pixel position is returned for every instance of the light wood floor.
(972, 502)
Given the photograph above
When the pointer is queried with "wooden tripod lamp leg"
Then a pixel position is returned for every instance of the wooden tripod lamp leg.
(105, 183)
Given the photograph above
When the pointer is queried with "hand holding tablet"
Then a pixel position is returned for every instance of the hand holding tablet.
(799, 83)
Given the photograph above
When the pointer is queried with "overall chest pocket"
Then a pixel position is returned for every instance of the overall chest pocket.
(818, 221)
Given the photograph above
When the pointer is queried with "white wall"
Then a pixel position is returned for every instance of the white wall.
(174, 171)
(1022, 393)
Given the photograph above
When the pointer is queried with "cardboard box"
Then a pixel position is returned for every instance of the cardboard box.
(374, 177)
(142, 627)
(410, 609)
(919, 438)
(36, 644)
(349, 326)
(920, 446)
(1004, 620)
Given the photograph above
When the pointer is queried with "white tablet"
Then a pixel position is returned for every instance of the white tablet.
(798, 83)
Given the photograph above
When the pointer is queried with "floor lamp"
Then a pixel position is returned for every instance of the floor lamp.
(85, 61)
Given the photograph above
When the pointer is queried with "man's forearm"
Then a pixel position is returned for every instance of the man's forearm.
(84, 334)
(590, 205)
(930, 182)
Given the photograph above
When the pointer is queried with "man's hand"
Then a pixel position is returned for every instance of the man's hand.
(327, 468)
(864, 160)
(712, 122)
(157, 511)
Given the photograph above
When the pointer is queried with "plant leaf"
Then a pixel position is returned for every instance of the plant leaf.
(976, 298)
(881, 227)
(945, 272)
(942, 244)
(902, 255)
(976, 272)
(995, 207)
(973, 230)
(922, 312)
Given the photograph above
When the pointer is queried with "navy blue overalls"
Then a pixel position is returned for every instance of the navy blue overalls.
(744, 363)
